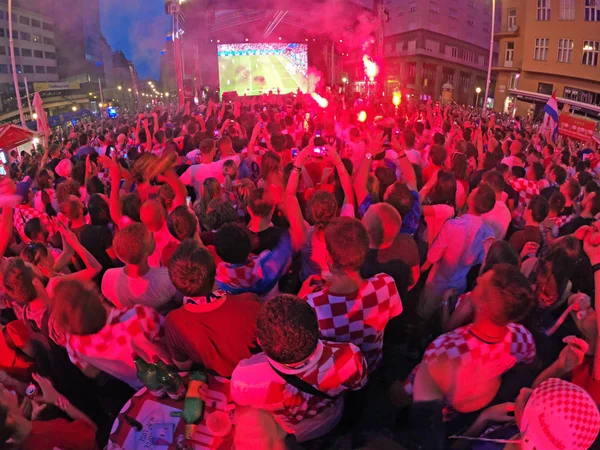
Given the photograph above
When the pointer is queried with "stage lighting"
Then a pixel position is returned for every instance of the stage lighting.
(362, 116)
(397, 98)
(218, 41)
(246, 39)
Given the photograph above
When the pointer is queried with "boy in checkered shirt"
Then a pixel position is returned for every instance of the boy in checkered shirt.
(467, 364)
(299, 378)
(350, 308)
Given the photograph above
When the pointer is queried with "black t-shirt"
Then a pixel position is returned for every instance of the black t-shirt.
(475, 179)
(96, 240)
(52, 165)
(573, 225)
(512, 194)
(567, 211)
(547, 192)
(267, 239)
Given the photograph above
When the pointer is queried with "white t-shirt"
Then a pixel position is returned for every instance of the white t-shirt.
(196, 174)
(192, 155)
(162, 237)
(499, 219)
(414, 156)
(153, 289)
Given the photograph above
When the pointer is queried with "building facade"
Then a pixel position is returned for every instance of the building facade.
(431, 43)
(35, 52)
(548, 46)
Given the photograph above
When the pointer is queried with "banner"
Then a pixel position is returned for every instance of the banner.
(575, 127)
(55, 86)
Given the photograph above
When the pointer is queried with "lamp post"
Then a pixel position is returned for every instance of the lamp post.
(489, 71)
(478, 90)
(14, 67)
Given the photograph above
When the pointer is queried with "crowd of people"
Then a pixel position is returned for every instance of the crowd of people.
(311, 256)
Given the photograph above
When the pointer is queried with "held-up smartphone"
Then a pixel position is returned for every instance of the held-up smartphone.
(294, 152)
(216, 133)
(320, 150)
(264, 108)
(318, 133)
(188, 201)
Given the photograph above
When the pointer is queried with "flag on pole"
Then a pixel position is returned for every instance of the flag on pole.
(551, 116)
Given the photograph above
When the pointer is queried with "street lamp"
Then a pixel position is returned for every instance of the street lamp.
(35, 116)
(344, 80)
(74, 108)
(489, 71)
(119, 88)
(166, 94)
(128, 89)
(478, 90)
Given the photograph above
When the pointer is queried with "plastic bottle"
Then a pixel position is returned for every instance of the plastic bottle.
(193, 405)
(169, 379)
(146, 373)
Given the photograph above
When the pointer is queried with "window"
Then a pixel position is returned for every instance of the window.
(470, 21)
(454, 52)
(582, 96)
(17, 51)
(2, 50)
(36, 38)
(38, 54)
(592, 11)
(509, 55)
(468, 56)
(432, 46)
(36, 23)
(541, 49)
(25, 36)
(453, 13)
(565, 50)
(434, 6)
(2, 32)
(545, 88)
(567, 9)
(89, 57)
(412, 45)
(19, 68)
(412, 7)
(40, 69)
(543, 10)
(3, 68)
(24, 20)
(48, 41)
(15, 34)
(513, 81)
(27, 69)
(2, 15)
(50, 69)
(590, 53)
(50, 55)
(512, 19)
(48, 26)
(26, 52)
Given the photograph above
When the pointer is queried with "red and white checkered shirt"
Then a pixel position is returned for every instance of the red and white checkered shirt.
(359, 318)
(136, 330)
(476, 360)
(24, 213)
(333, 368)
(240, 276)
(526, 190)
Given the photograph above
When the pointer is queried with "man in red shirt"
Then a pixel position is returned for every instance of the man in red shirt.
(211, 328)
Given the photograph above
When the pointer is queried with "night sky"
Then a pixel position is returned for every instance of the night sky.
(138, 28)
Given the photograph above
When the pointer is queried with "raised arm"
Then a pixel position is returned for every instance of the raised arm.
(148, 136)
(345, 180)
(116, 213)
(361, 178)
(92, 266)
(170, 176)
(293, 211)
(408, 171)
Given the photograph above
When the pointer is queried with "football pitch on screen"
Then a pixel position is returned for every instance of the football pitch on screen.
(259, 74)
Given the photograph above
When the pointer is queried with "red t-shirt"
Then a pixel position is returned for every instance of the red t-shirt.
(218, 334)
(60, 433)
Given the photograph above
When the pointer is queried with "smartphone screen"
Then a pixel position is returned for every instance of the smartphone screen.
(294, 152)
(188, 201)
(318, 133)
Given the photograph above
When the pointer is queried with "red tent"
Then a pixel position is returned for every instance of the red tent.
(12, 136)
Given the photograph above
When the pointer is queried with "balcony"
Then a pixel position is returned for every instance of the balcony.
(507, 31)
(508, 66)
